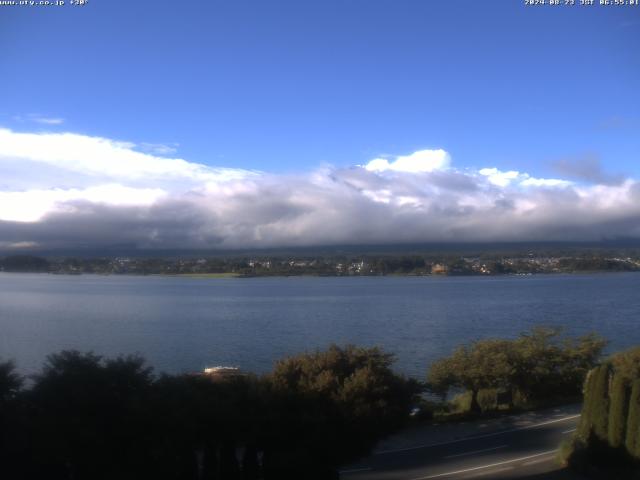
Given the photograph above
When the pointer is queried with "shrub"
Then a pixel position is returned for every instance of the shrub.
(488, 399)
(595, 411)
(632, 438)
(538, 367)
(618, 407)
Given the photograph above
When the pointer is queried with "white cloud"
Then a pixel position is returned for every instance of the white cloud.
(544, 182)
(48, 120)
(159, 148)
(41, 172)
(504, 179)
(418, 162)
(499, 178)
(104, 158)
(38, 118)
(32, 205)
(66, 189)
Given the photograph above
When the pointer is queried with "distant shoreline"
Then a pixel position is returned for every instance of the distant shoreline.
(339, 266)
(189, 275)
(225, 275)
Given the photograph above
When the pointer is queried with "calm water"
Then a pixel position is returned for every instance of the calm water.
(183, 324)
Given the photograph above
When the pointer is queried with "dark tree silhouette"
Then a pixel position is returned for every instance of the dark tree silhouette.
(86, 417)
(10, 381)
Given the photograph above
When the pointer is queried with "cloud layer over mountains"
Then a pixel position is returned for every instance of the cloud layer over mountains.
(64, 190)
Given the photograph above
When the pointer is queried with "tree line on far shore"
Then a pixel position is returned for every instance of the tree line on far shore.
(88, 417)
(333, 265)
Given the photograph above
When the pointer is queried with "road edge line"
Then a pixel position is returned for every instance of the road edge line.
(475, 437)
(497, 464)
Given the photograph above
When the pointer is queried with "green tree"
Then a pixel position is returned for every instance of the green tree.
(88, 414)
(484, 364)
(537, 366)
(632, 438)
(10, 381)
(594, 421)
(344, 397)
(546, 364)
(198, 422)
(584, 426)
(627, 364)
(13, 437)
(618, 409)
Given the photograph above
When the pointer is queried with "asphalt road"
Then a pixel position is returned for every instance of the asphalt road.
(521, 452)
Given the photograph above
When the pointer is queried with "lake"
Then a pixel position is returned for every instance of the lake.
(184, 324)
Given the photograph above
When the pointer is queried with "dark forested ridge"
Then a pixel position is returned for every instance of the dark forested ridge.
(24, 263)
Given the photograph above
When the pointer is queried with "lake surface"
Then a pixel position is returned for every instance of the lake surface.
(185, 324)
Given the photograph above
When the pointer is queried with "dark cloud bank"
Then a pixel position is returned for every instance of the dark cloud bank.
(342, 207)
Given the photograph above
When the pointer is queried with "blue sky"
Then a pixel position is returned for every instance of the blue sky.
(284, 86)
(290, 88)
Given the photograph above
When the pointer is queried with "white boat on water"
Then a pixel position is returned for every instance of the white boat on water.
(222, 372)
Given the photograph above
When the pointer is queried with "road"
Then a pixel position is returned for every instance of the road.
(522, 451)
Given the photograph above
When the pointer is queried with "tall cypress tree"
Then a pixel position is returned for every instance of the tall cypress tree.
(596, 405)
(632, 440)
(601, 402)
(618, 405)
(586, 419)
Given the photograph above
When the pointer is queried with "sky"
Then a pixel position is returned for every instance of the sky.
(219, 124)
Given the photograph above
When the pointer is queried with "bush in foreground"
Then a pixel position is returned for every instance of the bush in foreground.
(606, 442)
(86, 417)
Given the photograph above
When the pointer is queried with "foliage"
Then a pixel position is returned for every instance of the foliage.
(487, 401)
(86, 417)
(632, 438)
(353, 389)
(12, 436)
(485, 364)
(568, 452)
(537, 366)
(82, 406)
(546, 364)
(338, 263)
(618, 409)
(584, 426)
(10, 381)
(627, 363)
(24, 263)
(596, 404)
(593, 264)
(608, 437)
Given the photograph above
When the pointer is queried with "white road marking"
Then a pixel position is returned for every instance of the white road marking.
(355, 470)
(476, 451)
(475, 437)
(482, 467)
(534, 462)
(490, 472)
